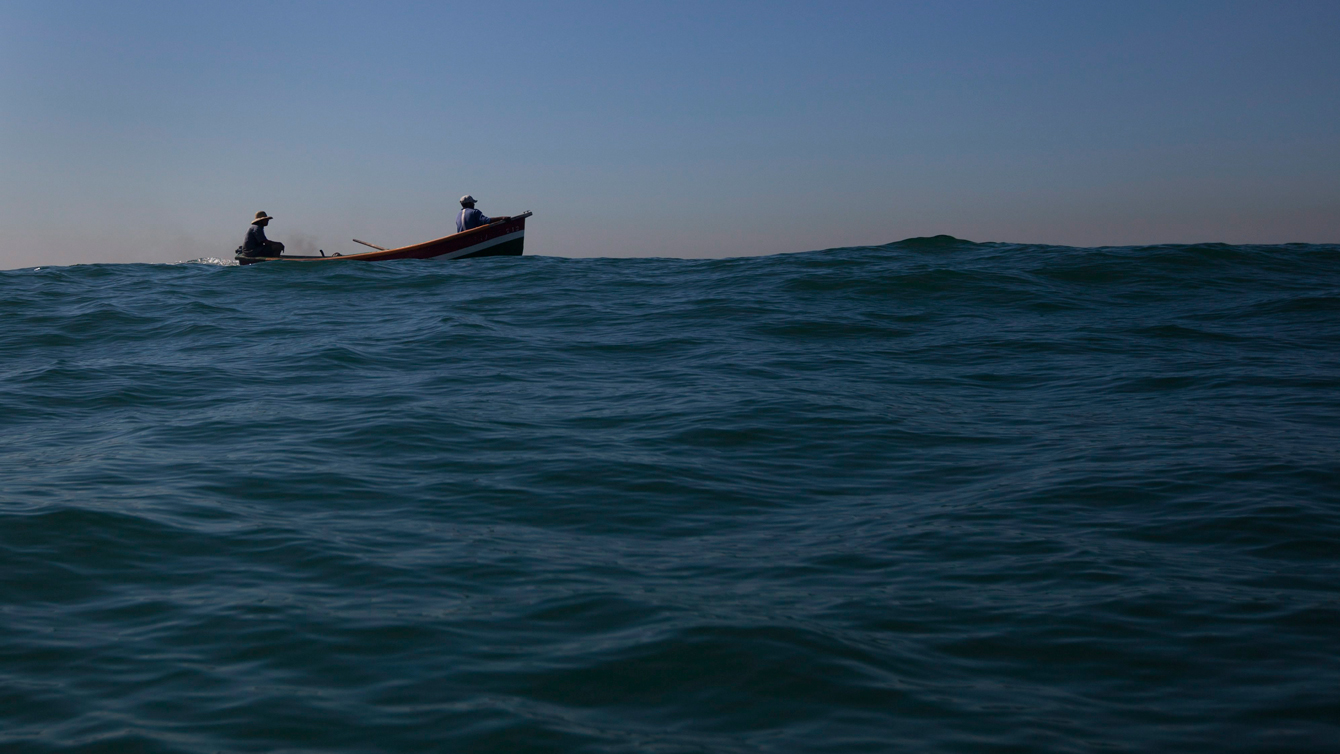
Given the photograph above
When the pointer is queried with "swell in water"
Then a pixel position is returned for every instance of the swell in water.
(932, 496)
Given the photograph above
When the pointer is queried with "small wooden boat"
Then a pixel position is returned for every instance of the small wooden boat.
(504, 238)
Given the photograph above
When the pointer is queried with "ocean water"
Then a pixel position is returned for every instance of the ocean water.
(934, 496)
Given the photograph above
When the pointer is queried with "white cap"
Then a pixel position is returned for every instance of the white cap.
(467, 199)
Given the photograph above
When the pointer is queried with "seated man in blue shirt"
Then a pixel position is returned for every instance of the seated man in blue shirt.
(471, 217)
(256, 244)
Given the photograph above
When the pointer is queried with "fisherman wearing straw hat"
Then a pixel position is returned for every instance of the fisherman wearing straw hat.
(256, 244)
(470, 217)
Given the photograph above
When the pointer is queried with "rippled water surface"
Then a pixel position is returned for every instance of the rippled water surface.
(933, 496)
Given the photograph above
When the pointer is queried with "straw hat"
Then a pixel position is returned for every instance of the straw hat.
(467, 199)
(261, 216)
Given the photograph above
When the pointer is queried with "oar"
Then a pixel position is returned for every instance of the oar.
(373, 245)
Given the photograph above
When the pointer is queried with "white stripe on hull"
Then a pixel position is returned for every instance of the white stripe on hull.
(481, 246)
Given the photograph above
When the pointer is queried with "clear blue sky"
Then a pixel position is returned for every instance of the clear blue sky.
(153, 131)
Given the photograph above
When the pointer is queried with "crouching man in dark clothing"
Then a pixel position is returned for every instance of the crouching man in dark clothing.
(256, 244)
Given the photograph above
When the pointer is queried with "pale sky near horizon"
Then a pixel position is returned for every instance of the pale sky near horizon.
(153, 131)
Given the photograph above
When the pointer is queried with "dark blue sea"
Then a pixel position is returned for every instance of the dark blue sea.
(933, 496)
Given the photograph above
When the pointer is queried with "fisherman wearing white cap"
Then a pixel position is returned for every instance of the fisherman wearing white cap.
(256, 244)
(471, 217)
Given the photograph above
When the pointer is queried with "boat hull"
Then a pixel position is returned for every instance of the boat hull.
(506, 238)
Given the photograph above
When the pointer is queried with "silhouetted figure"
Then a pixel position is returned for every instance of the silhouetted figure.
(256, 244)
